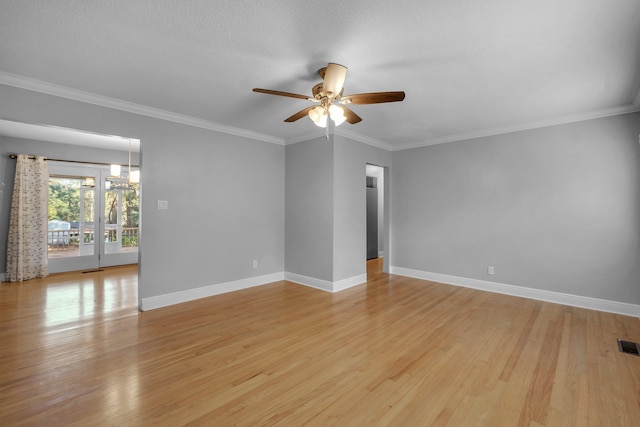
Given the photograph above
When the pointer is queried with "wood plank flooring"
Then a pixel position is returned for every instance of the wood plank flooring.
(396, 351)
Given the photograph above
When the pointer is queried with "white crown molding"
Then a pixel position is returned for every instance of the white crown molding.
(27, 83)
(364, 139)
(597, 114)
(636, 100)
(130, 107)
(341, 132)
(207, 291)
(320, 133)
(521, 291)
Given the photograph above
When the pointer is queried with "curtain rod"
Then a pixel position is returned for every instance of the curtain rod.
(15, 156)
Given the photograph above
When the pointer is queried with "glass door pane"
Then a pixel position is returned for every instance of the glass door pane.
(72, 218)
(113, 221)
(121, 222)
(86, 229)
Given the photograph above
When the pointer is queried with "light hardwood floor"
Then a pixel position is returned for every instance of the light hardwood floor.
(396, 351)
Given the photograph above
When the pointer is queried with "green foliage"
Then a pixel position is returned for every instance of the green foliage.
(64, 204)
(130, 208)
(130, 241)
(64, 200)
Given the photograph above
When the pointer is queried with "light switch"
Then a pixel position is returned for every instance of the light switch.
(163, 205)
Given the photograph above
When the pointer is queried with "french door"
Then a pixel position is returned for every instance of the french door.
(93, 219)
(119, 222)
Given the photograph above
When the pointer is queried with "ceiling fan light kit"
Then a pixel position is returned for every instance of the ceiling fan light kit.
(329, 93)
(318, 116)
(337, 114)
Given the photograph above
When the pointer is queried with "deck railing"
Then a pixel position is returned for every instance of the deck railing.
(60, 240)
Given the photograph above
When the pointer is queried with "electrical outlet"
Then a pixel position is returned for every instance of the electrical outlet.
(490, 270)
(255, 263)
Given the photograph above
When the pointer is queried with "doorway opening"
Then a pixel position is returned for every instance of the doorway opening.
(91, 222)
(377, 229)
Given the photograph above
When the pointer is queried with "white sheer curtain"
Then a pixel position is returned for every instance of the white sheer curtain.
(27, 242)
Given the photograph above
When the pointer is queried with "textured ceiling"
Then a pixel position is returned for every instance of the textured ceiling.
(469, 68)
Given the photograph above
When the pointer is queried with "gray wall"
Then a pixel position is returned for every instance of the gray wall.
(556, 208)
(10, 145)
(350, 204)
(309, 209)
(326, 206)
(225, 193)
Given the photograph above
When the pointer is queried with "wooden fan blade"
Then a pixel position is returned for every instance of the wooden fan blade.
(300, 114)
(373, 97)
(279, 93)
(334, 77)
(351, 116)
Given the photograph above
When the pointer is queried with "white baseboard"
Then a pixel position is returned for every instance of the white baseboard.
(349, 282)
(326, 285)
(312, 282)
(207, 291)
(520, 291)
(221, 288)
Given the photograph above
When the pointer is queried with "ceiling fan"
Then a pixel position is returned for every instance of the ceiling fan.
(330, 101)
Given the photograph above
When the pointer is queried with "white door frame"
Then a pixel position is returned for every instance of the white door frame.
(90, 258)
(102, 255)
